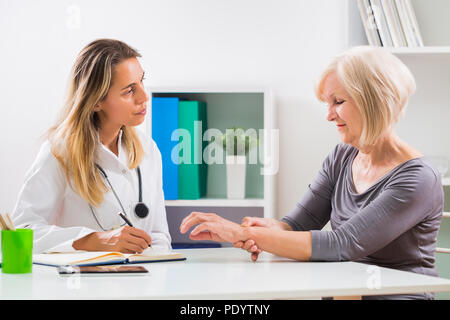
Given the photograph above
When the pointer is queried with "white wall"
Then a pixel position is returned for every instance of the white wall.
(281, 44)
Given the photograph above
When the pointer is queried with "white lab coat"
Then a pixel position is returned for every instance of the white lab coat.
(59, 216)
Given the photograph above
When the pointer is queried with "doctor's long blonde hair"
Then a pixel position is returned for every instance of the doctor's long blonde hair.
(74, 139)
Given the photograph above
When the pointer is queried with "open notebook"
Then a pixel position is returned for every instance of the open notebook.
(89, 258)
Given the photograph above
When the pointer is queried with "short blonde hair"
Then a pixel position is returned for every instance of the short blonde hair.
(379, 84)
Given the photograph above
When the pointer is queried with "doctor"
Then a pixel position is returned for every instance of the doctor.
(94, 164)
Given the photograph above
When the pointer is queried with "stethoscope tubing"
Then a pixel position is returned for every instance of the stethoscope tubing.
(112, 189)
(117, 197)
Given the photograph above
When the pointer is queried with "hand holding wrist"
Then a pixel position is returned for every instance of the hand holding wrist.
(246, 233)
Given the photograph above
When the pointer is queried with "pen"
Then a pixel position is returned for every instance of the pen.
(125, 219)
(129, 223)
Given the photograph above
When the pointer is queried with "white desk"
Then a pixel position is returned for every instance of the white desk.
(225, 273)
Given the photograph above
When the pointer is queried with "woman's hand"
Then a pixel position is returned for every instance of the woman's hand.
(265, 222)
(125, 239)
(250, 244)
(210, 226)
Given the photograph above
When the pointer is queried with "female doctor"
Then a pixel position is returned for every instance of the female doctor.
(94, 164)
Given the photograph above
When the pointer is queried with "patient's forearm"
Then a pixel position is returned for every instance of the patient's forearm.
(291, 244)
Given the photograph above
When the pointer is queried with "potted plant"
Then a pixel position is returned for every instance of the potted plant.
(237, 142)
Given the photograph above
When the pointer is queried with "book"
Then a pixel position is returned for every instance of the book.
(399, 22)
(98, 258)
(406, 24)
(372, 24)
(382, 25)
(164, 125)
(414, 24)
(393, 21)
(368, 22)
(192, 170)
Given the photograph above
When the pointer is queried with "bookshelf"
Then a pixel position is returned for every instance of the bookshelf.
(227, 107)
(433, 24)
(425, 125)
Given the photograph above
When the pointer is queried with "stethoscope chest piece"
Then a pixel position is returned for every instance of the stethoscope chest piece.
(141, 210)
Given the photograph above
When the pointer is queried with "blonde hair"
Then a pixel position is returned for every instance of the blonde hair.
(74, 138)
(379, 84)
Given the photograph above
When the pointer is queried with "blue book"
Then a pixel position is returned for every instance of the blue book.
(164, 123)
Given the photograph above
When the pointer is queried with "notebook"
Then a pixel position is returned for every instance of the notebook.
(97, 258)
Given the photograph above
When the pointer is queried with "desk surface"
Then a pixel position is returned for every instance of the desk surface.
(225, 273)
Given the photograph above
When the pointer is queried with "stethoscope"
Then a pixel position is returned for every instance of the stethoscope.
(140, 209)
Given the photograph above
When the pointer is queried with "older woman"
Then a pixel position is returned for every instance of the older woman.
(383, 198)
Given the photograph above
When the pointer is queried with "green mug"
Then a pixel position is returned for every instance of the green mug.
(17, 251)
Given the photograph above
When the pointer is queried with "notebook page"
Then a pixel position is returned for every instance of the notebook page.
(73, 258)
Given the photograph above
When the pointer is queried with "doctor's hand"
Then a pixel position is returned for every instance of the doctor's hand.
(210, 226)
(125, 239)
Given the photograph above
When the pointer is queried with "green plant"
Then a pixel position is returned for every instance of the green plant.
(236, 141)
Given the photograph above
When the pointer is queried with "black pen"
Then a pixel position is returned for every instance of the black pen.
(129, 223)
(125, 219)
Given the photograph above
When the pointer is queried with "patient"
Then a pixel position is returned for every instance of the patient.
(383, 198)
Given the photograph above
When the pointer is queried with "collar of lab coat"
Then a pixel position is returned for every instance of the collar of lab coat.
(108, 160)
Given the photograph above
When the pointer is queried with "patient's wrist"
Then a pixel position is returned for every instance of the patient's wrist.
(247, 233)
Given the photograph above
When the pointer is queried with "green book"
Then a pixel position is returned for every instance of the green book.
(192, 169)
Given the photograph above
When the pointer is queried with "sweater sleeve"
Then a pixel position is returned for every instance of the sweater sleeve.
(313, 210)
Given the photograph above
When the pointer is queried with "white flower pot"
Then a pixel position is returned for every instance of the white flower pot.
(236, 177)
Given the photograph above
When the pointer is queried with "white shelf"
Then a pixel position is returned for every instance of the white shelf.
(216, 203)
(446, 181)
(420, 50)
(442, 250)
(434, 30)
